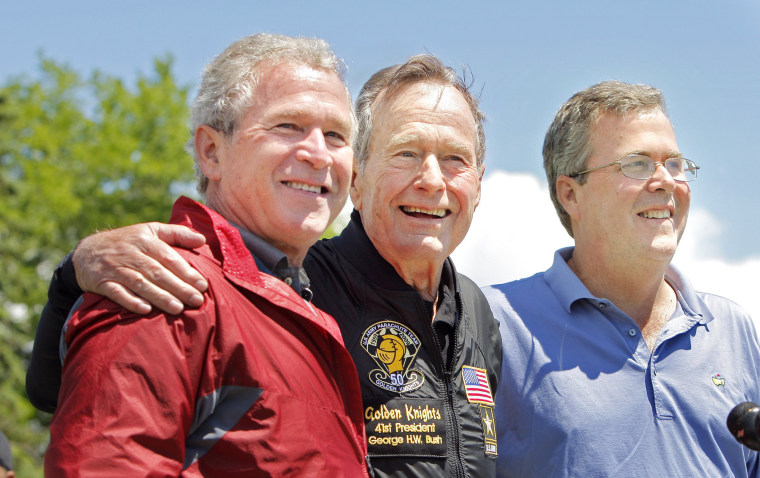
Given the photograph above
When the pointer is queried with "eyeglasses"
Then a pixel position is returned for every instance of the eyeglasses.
(638, 166)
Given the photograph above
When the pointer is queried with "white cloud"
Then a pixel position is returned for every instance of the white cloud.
(699, 257)
(515, 232)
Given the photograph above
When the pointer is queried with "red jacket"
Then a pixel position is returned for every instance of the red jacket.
(257, 382)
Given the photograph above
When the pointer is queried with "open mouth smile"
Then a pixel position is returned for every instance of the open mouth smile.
(305, 187)
(659, 214)
(421, 212)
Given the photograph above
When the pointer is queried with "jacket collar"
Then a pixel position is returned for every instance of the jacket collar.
(226, 246)
(354, 244)
(222, 239)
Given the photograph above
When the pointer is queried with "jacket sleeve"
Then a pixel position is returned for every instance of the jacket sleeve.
(43, 377)
(128, 392)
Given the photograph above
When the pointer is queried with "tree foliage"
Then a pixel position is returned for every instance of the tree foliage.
(76, 155)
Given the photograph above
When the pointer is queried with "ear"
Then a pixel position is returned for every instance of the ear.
(357, 187)
(209, 147)
(567, 195)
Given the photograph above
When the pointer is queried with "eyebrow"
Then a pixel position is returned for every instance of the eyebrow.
(410, 139)
(401, 140)
(643, 152)
(296, 113)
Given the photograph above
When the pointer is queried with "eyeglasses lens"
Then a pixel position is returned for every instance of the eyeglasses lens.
(643, 167)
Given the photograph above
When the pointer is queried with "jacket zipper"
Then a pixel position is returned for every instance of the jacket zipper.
(459, 465)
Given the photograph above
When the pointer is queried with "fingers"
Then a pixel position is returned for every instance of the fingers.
(155, 281)
(131, 265)
(176, 235)
(120, 295)
(138, 294)
(164, 275)
(181, 236)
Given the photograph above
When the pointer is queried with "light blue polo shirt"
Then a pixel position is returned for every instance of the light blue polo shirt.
(580, 394)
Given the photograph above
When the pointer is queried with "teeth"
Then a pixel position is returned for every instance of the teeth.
(431, 212)
(304, 187)
(660, 214)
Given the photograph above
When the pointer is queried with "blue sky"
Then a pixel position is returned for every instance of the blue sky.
(526, 57)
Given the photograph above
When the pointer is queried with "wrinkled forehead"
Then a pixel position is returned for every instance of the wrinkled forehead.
(296, 89)
(624, 116)
(412, 94)
(646, 132)
(274, 74)
(438, 105)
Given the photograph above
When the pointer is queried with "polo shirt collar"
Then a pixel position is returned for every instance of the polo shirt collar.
(563, 281)
(568, 288)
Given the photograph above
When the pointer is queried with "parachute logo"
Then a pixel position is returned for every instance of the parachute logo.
(393, 347)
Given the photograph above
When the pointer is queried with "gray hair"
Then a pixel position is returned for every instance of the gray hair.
(228, 83)
(567, 145)
(417, 69)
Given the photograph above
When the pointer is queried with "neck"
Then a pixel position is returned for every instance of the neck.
(295, 254)
(638, 288)
(423, 276)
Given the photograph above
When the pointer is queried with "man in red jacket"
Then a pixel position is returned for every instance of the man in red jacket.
(256, 381)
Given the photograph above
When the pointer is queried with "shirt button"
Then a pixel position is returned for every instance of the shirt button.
(632, 332)
(602, 305)
(288, 280)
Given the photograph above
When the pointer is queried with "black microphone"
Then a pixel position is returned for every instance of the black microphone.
(744, 424)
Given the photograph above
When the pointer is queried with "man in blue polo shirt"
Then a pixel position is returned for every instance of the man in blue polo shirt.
(613, 365)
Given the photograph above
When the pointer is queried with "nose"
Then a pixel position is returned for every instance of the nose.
(430, 176)
(313, 149)
(661, 177)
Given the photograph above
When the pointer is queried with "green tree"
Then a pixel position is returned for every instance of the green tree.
(76, 155)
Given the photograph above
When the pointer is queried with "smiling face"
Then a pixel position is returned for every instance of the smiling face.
(420, 185)
(619, 216)
(284, 172)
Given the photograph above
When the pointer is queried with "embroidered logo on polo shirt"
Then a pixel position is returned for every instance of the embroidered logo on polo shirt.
(718, 380)
(393, 347)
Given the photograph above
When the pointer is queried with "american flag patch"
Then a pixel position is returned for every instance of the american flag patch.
(476, 384)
